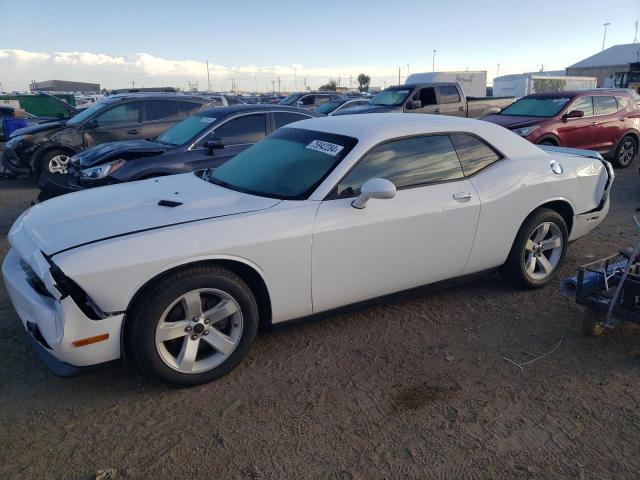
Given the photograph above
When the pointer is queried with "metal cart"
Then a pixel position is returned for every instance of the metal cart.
(609, 288)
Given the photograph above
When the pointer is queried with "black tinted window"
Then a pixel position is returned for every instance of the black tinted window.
(247, 129)
(188, 108)
(584, 104)
(449, 94)
(605, 105)
(307, 100)
(161, 109)
(474, 154)
(427, 96)
(126, 113)
(406, 163)
(283, 118)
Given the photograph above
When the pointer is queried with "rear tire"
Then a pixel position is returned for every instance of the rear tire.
(625, 152)
(193, 325)
(538, 249)
(548, 142)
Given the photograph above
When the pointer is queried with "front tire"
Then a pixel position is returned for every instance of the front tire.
(538, 249)
(52, 163)
(626, 152)
(193, 325)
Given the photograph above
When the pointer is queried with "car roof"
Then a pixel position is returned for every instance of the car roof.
(373, 128)
(219, 112)
(156, 95)
(576, 93)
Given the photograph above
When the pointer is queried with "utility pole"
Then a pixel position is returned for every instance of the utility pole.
(273, 86)
(208, 79)
(407, 70)
(255, 82)
(399, 75)
(350, 82)
(433, 61)
(305, 83)
(498, 71)
(133, 84)
(635, 36)
(278, 84)
(604, 37)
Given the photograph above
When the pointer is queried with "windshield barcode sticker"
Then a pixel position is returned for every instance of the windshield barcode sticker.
(325, 147)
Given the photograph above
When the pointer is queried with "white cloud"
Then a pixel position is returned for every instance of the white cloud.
(150, 70)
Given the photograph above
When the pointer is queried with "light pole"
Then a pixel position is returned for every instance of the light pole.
(407, 70)
(433, 61)
(498, 71)
(604, 37)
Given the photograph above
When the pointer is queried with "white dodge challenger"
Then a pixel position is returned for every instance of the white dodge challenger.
(177, 272)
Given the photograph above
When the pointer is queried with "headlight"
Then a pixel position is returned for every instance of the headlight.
(525, 131)
(14, 140)
(101, 171)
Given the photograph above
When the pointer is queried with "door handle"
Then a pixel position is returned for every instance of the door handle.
(594, 123)
(461, 108)
(462, 196)
(436, 110)
(135, 131)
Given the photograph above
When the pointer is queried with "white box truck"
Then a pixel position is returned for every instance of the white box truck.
(474, 84)
(527, 83)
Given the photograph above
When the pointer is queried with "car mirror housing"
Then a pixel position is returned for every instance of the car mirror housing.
(378, 188)
(573, 114)
(214, 143)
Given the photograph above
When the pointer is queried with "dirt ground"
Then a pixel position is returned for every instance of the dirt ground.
(414, 388)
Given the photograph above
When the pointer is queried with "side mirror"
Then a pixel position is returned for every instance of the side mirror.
(379, 188)
(92, 125)
(573, 114)
(213, 143)
(414, 105)
(299, 103)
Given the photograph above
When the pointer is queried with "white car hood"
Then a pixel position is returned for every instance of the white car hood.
(91, 215)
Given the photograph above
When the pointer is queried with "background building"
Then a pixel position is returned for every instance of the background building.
(64, 86)
(604, 65)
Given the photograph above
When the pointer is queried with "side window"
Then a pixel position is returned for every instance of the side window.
(126, 113)
(188, 108)
(284, 118)
(320, 99)
(307, 100)
(449, 94)
(583, 103)
(407, 163)
(473, 153)
(247, 129)
(428, 96)
(160, 109)
(623, 102)
(604, 105)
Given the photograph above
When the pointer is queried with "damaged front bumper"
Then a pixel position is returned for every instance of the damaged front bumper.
(55, 325)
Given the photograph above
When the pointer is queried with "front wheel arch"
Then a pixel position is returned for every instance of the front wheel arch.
(36, 160)
(247, 273)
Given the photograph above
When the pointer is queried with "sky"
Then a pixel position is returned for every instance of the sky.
(123, 43)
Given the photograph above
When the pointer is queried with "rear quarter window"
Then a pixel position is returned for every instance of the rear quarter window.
(473, 153)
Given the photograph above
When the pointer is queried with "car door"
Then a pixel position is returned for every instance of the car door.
(238, 133)
(578, 132)
(607, 123)
(120, 122)
(422, 235)
(428, 99)
(159, 115)
(450, 102)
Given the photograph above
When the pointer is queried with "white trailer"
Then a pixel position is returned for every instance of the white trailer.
(526, 83)
(473, 84)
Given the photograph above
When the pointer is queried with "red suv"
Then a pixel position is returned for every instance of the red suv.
(604, 120)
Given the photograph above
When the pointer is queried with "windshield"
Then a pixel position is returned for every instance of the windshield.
(88, 112)
(536, 107)
(329, 106)
(391, 97)
(288, 164)
(291, 99)
(184, 131)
